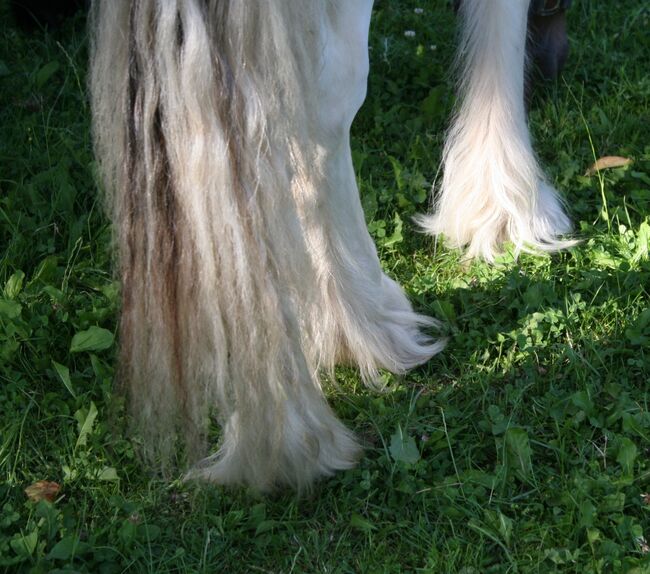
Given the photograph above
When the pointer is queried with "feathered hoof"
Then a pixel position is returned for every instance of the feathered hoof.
(483, 232)
(390, 335)
(303, 446)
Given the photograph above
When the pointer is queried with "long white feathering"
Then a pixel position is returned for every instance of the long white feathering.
(222, 134)
(493, 190)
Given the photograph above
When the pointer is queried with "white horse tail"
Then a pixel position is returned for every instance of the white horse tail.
(493, 189)
(192, 110)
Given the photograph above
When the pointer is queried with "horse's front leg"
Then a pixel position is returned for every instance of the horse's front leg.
(365, 318)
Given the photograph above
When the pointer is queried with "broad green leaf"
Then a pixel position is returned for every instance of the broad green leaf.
(639, 332)
(148, 532)
(587, 514)
(8, 516)
(55, 294)
(612, 503)
(265, 526)
(93, 339)
(46, 72)
(593, 535)
(398, 169)
(433, 107)
(26, 544)
(582, 400)
(561, 556)
(64, 375)
(48, 515)
(627, 454)
(68, 472)
(10, 309)
(360, 523)
(86, 420)
(47, 270)
(519, 452)
(14, 285)
(445, 309)
(67, 548)
(108, 473)
(501, 523)
(403, 447)
(504, 527)
(396, 237)
(643, 242)
(127, 531)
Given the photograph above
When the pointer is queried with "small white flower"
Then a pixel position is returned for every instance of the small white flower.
(433, 47)
(642, 543)
(409, 33)
(419, 10)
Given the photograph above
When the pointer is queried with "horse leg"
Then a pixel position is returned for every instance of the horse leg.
(364, 316)
(194, 153)
(493, 189)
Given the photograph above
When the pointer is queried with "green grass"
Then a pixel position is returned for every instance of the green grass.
(524, 447)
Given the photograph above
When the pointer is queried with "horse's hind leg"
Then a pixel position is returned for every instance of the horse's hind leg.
(364, 316)
(493, 189)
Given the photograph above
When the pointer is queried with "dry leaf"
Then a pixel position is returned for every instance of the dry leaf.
(43, 490)
(608, 162)
(645, 498)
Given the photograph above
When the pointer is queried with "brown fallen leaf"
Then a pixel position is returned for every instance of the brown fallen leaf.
(43, 490)
(608, 162)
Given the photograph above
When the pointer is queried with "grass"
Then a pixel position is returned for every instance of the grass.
(523, 448)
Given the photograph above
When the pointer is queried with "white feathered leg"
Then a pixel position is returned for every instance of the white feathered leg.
(364, 316)
(196, 105)
(493, 189)
(221, 129)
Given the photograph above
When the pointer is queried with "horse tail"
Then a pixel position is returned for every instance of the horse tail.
(190, 106)
(493, 189)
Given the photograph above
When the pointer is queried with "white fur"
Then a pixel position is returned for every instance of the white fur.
(233, 119)
(493, 189)
(380, 328)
